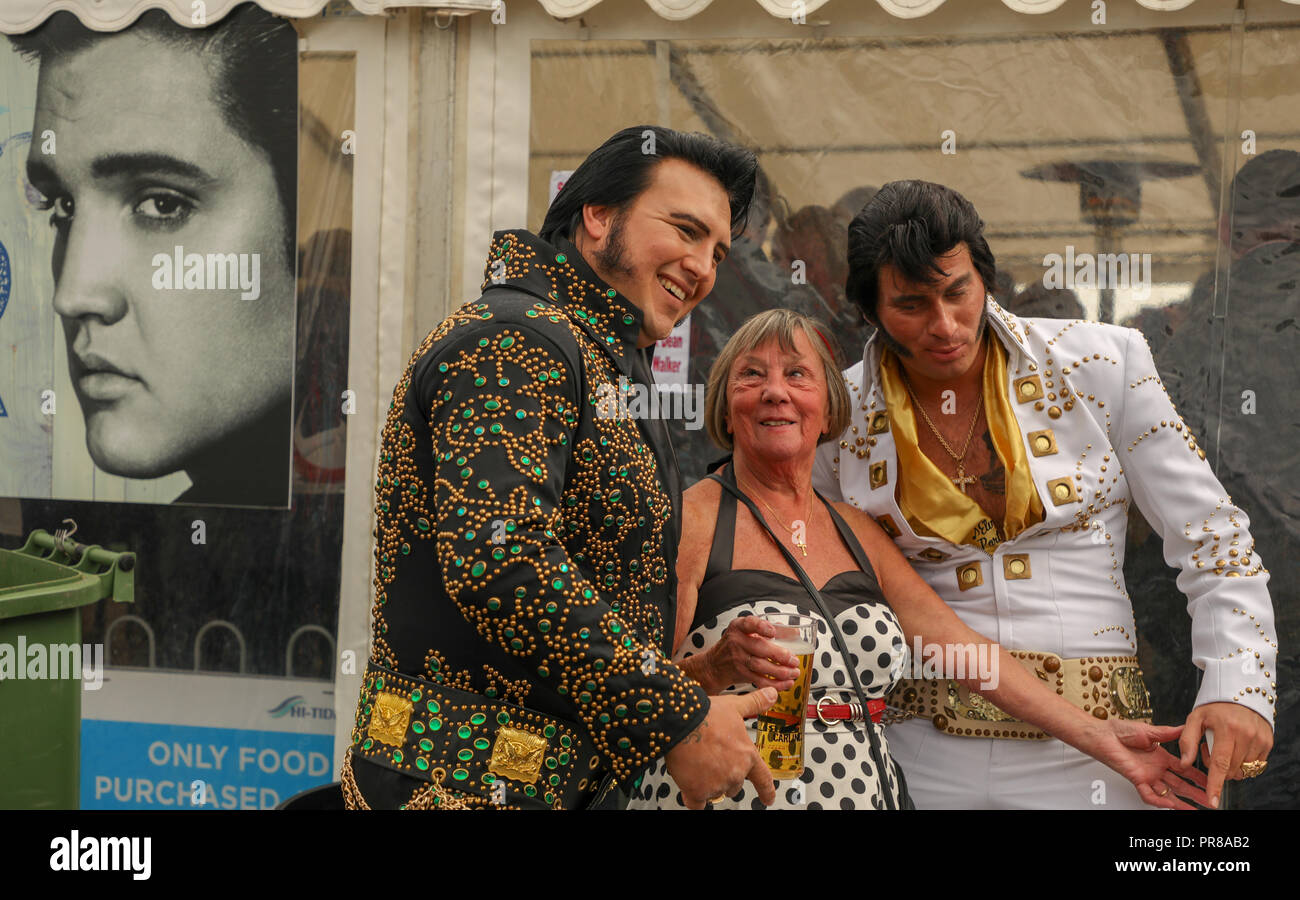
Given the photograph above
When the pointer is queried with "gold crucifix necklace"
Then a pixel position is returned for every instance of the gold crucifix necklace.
(794, 537)
(962, 478)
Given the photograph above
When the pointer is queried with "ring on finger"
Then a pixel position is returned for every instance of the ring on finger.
(1253, 767)
(1165, 792)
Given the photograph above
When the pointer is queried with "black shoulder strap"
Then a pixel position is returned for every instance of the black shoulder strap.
(851, 541)
(836, 636)
(723, 551)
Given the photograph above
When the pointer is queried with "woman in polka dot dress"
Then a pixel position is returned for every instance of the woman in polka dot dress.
(839, 772)
(774, 393)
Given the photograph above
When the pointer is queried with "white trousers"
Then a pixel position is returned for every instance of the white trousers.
(947, 772)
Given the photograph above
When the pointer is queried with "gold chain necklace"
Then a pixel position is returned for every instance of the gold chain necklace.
(962, 478)
(802, 545)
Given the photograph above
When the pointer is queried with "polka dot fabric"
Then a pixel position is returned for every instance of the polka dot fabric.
(838, 770)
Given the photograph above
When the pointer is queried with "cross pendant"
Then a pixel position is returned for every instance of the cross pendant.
(962, 479)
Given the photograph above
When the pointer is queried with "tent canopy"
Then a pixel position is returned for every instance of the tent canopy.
(110, 15)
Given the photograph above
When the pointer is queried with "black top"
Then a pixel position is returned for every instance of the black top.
(724, 588)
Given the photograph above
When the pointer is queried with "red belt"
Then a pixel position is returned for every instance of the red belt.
(841, 712)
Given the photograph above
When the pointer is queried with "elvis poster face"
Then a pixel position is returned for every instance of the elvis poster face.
(148, 197)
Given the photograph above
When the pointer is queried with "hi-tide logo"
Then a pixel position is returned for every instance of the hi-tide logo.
(296, 707)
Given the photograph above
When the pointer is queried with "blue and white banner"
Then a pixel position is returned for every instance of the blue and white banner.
(177, 740)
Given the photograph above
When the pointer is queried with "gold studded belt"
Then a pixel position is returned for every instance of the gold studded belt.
(1104, 686)
(477, 750)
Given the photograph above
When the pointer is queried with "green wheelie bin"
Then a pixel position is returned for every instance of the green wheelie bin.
(43, 586)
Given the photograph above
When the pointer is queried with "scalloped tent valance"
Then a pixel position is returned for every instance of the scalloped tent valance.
(111, 15)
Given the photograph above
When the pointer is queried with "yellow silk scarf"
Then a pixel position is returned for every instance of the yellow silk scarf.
(932, 504)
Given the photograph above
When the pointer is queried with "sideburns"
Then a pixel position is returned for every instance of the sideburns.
(901, 351)
(892, 343)
(611, 259)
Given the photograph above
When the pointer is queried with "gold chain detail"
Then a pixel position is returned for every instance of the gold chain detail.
(434, 796)
(352, 798)
(962, 478)
(802, 545)
(893, 715)
(429, 796)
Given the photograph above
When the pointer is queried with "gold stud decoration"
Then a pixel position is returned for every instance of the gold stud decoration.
(1042, 443)
(1016, 566)
(879, 474)
(969, 576)
(1062, 491)
(517, 754)
(392, 715)
(1028, 388)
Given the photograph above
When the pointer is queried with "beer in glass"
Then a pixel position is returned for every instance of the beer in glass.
(780, 729)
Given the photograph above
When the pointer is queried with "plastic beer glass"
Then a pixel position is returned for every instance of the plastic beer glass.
(780, 729)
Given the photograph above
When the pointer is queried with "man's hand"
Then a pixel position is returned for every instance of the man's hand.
(1240, 735)
(718, 757)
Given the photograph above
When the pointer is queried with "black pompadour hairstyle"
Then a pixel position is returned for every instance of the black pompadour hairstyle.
(256, 85)
(908, 225)
(618, 171)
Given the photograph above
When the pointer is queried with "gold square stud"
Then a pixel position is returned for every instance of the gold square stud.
(1028, 388)
(879, 423)
(1015, 566)
(933, 555)
(887, 525)
(391, 716)
(879, 474)
(1042, 443)
(1062, 491)
(517, 754)
(969, 576)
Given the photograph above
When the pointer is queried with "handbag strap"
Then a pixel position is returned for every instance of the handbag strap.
(836, 636)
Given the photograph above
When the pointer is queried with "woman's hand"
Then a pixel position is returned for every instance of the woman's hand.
(744, 655)
(1134, 751)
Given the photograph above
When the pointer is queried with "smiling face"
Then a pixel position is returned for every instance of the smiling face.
(144, 162)
(935, 328)
(662, 252)
(777, 407)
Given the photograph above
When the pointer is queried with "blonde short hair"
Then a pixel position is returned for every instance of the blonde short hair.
(780, 324)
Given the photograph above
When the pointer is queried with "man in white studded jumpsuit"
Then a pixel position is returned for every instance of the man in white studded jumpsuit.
(1002, 455)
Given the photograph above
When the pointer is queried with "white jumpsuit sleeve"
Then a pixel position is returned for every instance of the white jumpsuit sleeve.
(1205, 536)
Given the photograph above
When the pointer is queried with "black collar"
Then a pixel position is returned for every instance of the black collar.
(558, 275)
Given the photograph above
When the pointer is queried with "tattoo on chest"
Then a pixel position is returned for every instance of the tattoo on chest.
(995, 479)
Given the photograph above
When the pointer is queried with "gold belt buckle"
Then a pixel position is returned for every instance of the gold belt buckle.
(1129, 692)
